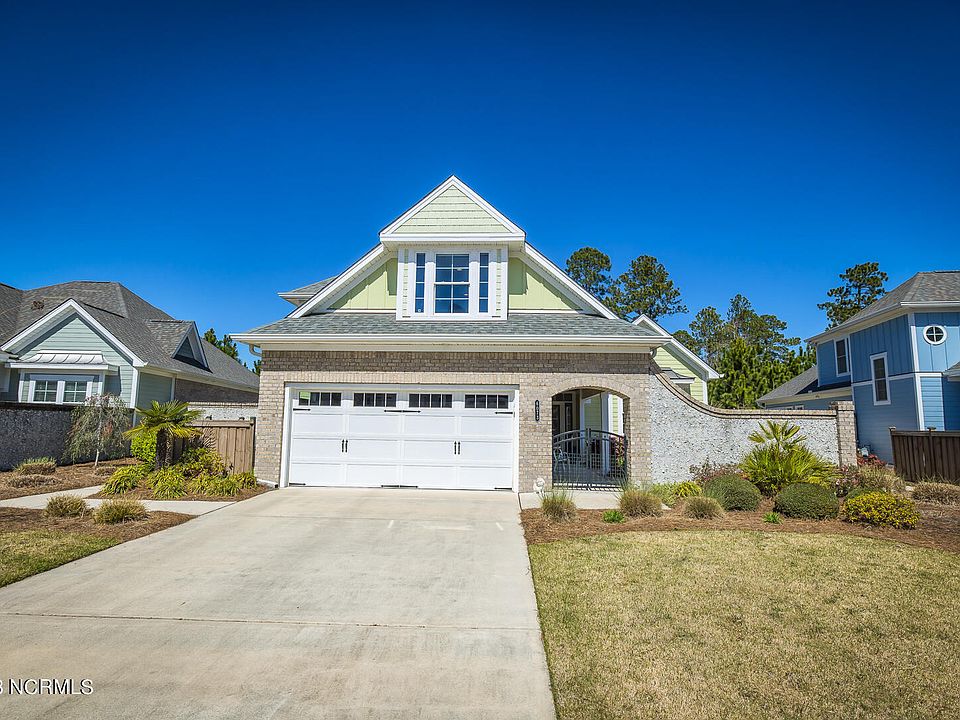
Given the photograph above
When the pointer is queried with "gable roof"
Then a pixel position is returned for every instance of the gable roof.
(680, 348)
(452, 208)
(804, 384)
(935, 288)
(307, 291)
(147, 334)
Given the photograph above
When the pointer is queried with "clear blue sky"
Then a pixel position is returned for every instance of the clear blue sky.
(208, 155)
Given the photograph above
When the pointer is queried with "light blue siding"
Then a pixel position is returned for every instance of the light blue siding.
(891, 337)
(13, 384)
(937, 358)
(931, 392)
(827, 363)
(75, 335)
(874, 421)
(951, 404)
(153, 387)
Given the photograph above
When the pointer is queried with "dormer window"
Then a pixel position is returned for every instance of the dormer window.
(451, 287)
(843, 364)
(450, 282)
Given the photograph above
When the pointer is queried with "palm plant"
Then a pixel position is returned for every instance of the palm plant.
(167, 420)
(780, 458)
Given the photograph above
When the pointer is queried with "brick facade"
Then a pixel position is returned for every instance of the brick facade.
(198, 392)
(538, 376)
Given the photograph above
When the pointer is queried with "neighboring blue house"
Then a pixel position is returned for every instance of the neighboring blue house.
(898, 360)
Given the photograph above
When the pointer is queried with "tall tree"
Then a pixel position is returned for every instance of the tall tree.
(708, 334)
(257, 364)
(646, 289)
(224, 344)
(861, 285)
(591, 269)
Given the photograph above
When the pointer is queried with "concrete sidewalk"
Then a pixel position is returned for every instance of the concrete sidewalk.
(319, 603)
(187, 507)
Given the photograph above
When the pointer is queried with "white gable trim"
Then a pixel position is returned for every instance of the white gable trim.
(674, 344)
(514, 231)
(342, 282)
(62, 311)
(560, 280)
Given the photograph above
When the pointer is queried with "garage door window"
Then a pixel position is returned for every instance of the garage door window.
(375, 400)
(490, 402)
(431, 400)
(321, 399)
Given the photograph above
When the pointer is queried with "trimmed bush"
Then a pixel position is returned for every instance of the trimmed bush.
(936, 492)
(231, 485)
(613, 516)
(120, 510)
(144, 448)
(37, 466)
(806, 500)
(125, 479)
(855, 491)
(687, 489)
(667, 492)
(202, 461)
(702, 474)
(66, 506)
(702, 508)
(23, 481)
(634, 502)
(168, 483)
(558, 505)
(733, 492)
(772, 517)
(881, 509)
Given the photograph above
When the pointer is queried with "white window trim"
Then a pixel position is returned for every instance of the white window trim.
(930, 342)
(94, 383)
(836, 356)
(430, 275)
(873, 378)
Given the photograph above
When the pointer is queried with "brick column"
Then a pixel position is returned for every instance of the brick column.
(536, 438)
(846, 433)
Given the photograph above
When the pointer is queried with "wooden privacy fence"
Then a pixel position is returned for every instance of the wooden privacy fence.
(233, 439)
(926, 455)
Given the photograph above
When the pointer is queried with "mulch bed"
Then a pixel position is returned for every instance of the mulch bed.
(66, 477)
(17, 519)
(144, 493)
(939, 526)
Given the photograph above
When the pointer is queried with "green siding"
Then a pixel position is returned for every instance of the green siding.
(452, 212)
(669, 359)
(153, 387)
(75, 335)
(616, 424)
(529, 291)
(377, 291)
(593, 412)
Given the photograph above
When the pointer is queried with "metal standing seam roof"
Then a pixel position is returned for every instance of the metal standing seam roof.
(561, 325)
(65, 358)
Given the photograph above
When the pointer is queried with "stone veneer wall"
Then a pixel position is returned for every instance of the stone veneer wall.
(197, 392)
(539, 376)
(226, 410)
(28, 431)
(685, 432)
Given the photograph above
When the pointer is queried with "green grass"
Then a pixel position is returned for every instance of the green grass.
(717, 625)
(29, 552)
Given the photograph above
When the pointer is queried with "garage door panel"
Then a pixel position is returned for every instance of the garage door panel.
(440, 451)
(372, 474)
(370, 449)
(486, 451)
(430, 425)
(374, 424)
(315, 422)
(429, 476)
(314, 448)
(317, 473)
(486, 477)
(499, 426)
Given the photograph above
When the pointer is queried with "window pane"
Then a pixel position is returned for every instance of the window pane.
(881, 390)
(461, 261)
(444, 261)
(469, 401)
(484, 306)
(444, 291)
(460, 292)
(74, 391)
(418, 305)
(879, 368)
(461, 276)
(45, 391)
(444, 275)
(421, 273)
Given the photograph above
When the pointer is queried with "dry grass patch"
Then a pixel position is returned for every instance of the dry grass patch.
(65, 477)
(715, 625)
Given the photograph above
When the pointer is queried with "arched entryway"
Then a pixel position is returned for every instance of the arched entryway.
(589, 439)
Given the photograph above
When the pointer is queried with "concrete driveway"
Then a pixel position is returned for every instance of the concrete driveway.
(300, 603)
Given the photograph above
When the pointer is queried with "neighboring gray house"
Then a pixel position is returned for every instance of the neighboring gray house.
(62, 343)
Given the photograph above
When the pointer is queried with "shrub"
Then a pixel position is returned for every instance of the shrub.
(733, 492)
(125, 479)
(222, 486)
(558, 505)
(202, 461)
(855, 491)
(937, 492)
(168, 483)
(634, 502)
(779, 458)
(687, 489)
(37, 466)
(119, 510)
(708, 471)
(881, 509)
(880, 478)
(66, 506)
(806, 500)
(144, 448)
(613, 516)
(702, 508)
(772, 517)
(22, 481)
(667, 492)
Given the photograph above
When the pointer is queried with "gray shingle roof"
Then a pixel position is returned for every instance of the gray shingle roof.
(533, 324)
(804, 383)
(941, 286)
(312, 288)
(148, 332)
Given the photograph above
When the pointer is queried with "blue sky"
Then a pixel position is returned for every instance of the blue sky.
(208, 155)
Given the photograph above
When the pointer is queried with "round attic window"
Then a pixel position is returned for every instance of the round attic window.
(934, 334)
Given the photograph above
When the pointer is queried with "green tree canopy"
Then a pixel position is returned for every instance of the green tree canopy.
(224, 344)
(861, 286)
(591, 269)
(646, 289)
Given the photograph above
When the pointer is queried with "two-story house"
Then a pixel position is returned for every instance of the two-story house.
(898, 360)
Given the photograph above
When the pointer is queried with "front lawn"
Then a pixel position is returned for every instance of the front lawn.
(738, 624)
(31, 542)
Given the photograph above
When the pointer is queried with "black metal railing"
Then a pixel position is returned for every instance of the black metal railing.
(590, 460)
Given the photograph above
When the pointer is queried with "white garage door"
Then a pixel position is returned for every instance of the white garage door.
(424, 437)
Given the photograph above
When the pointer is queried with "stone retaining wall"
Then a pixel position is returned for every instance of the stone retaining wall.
(28, 431)
(225, 410)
